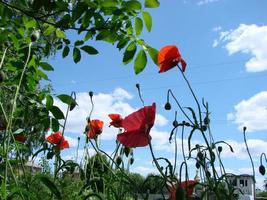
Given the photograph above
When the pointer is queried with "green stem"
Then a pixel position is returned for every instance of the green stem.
(192, 92)
(2, 60)
(9, 124)
(252, 164)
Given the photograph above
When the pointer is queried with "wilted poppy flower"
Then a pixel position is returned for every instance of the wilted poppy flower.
(187, 186)
(137, 127)
(116, 120)
(58, 140)
(20, 138)
(168, 57)
(95, 128)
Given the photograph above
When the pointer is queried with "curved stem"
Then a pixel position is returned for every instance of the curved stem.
(192, 92)
(180, 107)
(252, 164)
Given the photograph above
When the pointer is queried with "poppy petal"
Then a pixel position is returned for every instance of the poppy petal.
(136, 138)
(54, 138)
(183, 63)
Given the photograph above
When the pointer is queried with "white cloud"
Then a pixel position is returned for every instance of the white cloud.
(251, 113)
(104, 104)
(248, 39)
(217, 28)
(202, 2)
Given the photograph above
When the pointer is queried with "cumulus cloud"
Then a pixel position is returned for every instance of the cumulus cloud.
(104, 103)
(248, 39)
(251, 113)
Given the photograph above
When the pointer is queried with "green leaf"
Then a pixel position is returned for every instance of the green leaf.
(151, 3)
(88, 35)
(140, 62)
(138, 25)
(109, 3)
(60, 34)
(129, 53)
(49, 30)
(148, 20)
(89, 49)
(49, 184)
(45, 66)
(78, 43)
(153, 54)
(132, 5)
(68, 100)
(57, 113)
(76, 55)
(49, 102)
(66, 51)
(122, 43)
(55, 125)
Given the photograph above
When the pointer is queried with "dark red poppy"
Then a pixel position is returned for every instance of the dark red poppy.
(168, 57)
(58, 140)
(116, 120)
(137, 127)
(95, 128)
(186, 186)
(20, 138)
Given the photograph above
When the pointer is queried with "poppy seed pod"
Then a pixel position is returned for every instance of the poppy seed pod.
(91, 94)
(167, 106)
(220, 149)
(131, 161)
(206, 120)
(127, 151)
(118, 160)
(197, 165)
(204, 128)
(200, 155)
(262, 170)
(175, 123)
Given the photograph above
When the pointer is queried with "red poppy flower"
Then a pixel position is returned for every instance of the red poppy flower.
(58, 140)
(116, 120)
(186, 185)
(168, 57)
(20, 138)
(95, 128)
(137, 127)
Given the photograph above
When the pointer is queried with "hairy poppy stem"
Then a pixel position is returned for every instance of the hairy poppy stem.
(193, 93)
(252, 164)
(177, 102)
(139, 93)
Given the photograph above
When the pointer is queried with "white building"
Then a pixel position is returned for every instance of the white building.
(244, 183)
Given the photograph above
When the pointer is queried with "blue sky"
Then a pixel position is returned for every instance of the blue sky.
(224, 45)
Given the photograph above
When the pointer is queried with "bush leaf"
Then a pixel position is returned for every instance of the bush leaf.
(148, 20)
(140, 62)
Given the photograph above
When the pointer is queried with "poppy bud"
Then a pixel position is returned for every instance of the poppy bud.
(244, 129)
(2, 76)
(131, 161)
(137, 86)
(91, 94)
(197, 165)
(167, 106)
(118, 160)
(79, 138)
(127, 151)
(35, 35)
(197, 146)
(204, 128)
(262, 170)
(200, 155)
(206, 120)
(220, 149)
(186, 123)
(175, 123)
